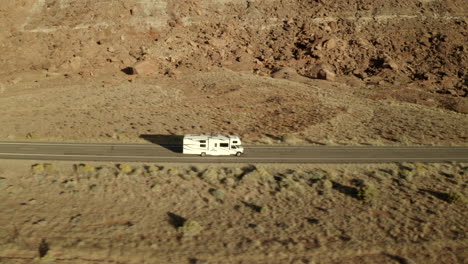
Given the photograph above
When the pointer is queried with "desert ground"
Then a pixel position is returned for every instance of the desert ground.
(315, 72)
(323, 72)
(66, 212)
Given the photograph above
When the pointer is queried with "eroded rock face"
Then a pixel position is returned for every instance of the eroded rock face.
(408, 42)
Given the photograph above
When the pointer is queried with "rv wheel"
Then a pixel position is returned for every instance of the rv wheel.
(203, 154)
(238, 154)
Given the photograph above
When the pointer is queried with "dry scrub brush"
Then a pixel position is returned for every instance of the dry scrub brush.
(190, 228)
(455, 197)
(84, 170)
(43, 170)
(367, 192)
(125, 168)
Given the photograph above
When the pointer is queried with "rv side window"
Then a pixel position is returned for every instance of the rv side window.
(202, 145)
(202, 141)
(224, 145)
(234, 142)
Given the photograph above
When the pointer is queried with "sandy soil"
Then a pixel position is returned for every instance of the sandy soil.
(170, 213)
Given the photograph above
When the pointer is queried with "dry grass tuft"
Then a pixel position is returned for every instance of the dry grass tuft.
(44, 169)
(367, 192)
(104, 171)
(152, 170)
(37, 169)
(173, 172)
(32, 135)
(85, 170)
(125, 168)
(210, 175)
(190, 227)
(325, 187)
(406, 172)
(50, 168)
(455, 197)
(218, 194)
(258, 175)
(420, 169)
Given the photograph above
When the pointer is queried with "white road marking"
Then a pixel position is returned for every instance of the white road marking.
(358, 147)
(77, 144)
(239, 158)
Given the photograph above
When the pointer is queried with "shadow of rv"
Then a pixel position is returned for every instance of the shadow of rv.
(173, 143)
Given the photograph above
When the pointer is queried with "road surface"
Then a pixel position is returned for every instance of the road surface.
(253, 154)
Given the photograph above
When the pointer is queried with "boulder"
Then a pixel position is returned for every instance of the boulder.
(461, 106)
(322, 71)
(329, 44)
(326, 74)
(390, 63)
(143, 68)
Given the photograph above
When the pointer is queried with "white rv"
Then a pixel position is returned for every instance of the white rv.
(215, 145)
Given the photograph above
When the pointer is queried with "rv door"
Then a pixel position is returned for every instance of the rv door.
(213, 147)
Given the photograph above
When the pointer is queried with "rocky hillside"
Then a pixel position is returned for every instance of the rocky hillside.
(398, 42)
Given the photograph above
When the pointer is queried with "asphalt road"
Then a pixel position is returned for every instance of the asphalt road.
(253, 154)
